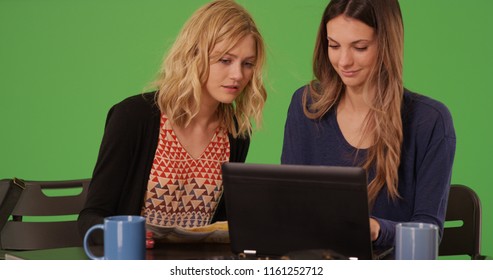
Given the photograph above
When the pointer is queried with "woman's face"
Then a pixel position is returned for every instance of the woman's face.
(229, 75)
(352, 50)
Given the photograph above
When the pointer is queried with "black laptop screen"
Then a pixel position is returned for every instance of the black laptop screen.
(277, 209)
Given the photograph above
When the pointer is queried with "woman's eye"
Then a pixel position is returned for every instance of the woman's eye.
(225, 61)
(361, 48)
(333, 46)
(249, 64)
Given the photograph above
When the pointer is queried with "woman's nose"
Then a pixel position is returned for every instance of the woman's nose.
(346, 58)
(236, 71)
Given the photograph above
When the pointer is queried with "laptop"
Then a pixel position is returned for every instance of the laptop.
(274, 210)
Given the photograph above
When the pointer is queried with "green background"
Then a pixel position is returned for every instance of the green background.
(63, 63)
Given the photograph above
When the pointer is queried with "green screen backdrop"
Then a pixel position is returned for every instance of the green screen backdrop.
(63, 63)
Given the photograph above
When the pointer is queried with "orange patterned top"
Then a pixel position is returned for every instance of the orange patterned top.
(183, 191)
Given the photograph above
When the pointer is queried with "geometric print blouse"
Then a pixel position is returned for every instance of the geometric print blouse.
(183, 191)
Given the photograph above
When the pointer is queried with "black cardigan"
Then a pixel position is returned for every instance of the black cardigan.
(125, 159)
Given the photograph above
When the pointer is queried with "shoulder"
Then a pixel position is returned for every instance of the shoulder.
(140, 106)
(424, 111)
(298, 94)
(238, 148)
(297, 99)
(138, 103)
(240, 140)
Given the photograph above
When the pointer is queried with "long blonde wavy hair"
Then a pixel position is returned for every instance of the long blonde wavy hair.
(185, 69)
(384, 122)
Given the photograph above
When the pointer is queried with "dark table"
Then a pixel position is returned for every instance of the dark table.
(161, 251)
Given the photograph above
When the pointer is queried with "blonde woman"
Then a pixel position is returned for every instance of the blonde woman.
(162, 151)
(357, 113)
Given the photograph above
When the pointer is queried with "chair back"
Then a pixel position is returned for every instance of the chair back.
(462, 238)
(43, 221)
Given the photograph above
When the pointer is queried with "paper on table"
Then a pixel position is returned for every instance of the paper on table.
(213, 233)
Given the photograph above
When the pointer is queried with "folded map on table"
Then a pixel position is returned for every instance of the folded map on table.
(213, 233)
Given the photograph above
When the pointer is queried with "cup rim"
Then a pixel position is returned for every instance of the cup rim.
(125, 218)
(416, 225)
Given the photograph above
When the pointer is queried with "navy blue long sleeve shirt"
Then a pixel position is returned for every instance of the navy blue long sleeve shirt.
(427, 157)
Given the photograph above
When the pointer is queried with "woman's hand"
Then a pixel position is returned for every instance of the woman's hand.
(374, 229)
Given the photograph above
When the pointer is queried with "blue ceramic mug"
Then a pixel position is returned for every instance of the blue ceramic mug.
(124, 238)
(416, 241)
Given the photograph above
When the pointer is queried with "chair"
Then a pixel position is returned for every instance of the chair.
(41, 221)
(463, 205)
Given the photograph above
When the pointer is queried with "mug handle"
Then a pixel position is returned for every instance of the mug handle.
(86, 238)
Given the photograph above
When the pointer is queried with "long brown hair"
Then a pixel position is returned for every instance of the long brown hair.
(186, 67)
(384, 122)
